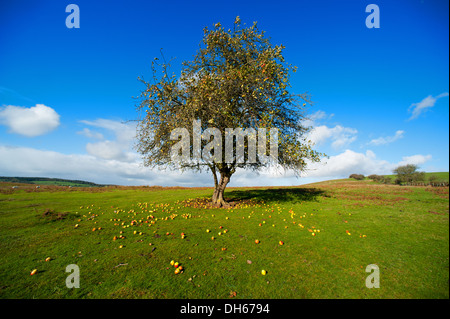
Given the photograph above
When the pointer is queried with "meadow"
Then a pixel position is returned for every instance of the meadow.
(313, 241)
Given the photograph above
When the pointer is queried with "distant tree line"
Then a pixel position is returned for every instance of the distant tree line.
(405, 175)
(36, 180)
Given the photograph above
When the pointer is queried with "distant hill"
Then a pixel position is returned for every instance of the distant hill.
(49, 181)
(438, 176)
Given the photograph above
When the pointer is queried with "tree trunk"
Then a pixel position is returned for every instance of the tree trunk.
(216, 183)
(219, 188)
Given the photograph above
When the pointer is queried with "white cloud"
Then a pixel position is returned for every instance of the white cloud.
(418, 108)
(33, 121)
(318, 115)
(91, 134)
(415, 159)
(106, 150)
(347, 163)
(124, 132)
(320, 134)
(387, 140)
(120, 148)
(341, 136)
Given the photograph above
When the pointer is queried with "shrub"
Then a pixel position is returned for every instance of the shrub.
(418, 177)
(433, 179)
(358, 177)
(376, 178)
(385, 180)
(409, 174)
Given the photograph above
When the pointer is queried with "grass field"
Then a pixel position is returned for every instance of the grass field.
(123, 239)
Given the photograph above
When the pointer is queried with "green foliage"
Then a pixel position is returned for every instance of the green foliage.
(385, 180)
(408, 174)
(237, 79)
(358, 177)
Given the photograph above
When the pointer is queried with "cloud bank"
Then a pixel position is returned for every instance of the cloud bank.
(111, 159)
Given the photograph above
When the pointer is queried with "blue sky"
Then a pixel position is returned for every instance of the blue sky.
(380, 95)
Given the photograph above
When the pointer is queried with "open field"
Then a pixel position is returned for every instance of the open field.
(331, 231)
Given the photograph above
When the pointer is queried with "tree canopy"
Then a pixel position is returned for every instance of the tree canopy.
(408, 173)
(237, 80)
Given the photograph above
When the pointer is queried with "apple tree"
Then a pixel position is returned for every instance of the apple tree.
(237, 80)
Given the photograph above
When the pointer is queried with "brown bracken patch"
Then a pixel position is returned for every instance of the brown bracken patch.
(52, 215)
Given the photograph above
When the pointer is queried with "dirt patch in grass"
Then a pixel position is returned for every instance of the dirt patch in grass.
(206, 203)
(50, 214)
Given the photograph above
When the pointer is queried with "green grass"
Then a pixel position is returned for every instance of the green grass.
(404, 230)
